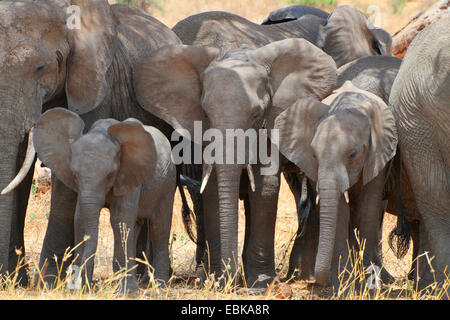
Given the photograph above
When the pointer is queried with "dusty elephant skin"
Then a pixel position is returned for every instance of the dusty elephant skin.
(420, 100)
(343, 146)
(88, 71)
(346, 35)
(120, 165)
(242, 89)
(376, 75)
(293, 13)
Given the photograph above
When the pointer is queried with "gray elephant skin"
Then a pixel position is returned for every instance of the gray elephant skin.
(242, 89)
(374, 74)
(420, 100)
(346, 35)
(344, 145)
(293, 13)
(227, 31)
(88, 70)
(123, 166)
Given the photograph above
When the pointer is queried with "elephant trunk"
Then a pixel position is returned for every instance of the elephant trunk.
(228, 178)
(86, 230)
(329, 203)
(8, 157)
(13, 125)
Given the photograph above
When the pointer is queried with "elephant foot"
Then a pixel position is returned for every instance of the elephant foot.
(251, 291)
(262, 281)
(128, 287)
(298, 275)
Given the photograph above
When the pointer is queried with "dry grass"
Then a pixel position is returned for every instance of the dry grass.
(183, 287)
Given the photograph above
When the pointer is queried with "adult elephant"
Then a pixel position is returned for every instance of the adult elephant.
(45, 63)
(226, 31)
(346, 35)
(243, 89)
(293, 13)
(420, 99)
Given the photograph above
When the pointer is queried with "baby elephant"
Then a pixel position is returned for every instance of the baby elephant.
(343, 144)
(124, 166)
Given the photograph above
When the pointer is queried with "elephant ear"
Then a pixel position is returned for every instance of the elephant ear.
(296, 126)
(383, 39)
(297, 69)
(383, 130)
(53, 134)
(168, 83)
(93, 47)
(383, 138)
(137, 155)
(349, 35)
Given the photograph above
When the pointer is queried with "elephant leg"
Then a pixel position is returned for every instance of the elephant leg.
(303, 254)
(159, 231)
(125, 230)
(367, 219)
(200, 251)
(424, 154)
(416, 245)
(260, 253)
(60, 232)
(423, 274)
(304, 250)
(18, 223)
(141, 248)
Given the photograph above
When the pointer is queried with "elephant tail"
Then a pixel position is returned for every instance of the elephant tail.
(306, 204)
(187, 214)
(402, 232)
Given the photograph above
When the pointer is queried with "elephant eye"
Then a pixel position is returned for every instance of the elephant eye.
(353, 154)
(40, 66)
(256, 115)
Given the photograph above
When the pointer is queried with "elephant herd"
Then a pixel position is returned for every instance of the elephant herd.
(357, 131)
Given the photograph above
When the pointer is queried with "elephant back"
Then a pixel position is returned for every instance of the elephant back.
(374, 74)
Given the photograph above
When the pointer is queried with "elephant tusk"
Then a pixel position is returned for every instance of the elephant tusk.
(251, 177)
(346, 197)
(317, 199)
(205, 176)
(27, 163)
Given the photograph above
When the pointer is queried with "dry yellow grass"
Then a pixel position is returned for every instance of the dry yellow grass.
(182, 251)
(182, 248)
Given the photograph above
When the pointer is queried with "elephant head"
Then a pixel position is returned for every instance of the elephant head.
(350, 135)
(44, 63)
(242, 89)
(112, 158)
(348, 35)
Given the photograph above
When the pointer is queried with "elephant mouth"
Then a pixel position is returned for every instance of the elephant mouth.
(26, 166)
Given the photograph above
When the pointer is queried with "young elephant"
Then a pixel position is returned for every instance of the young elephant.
(124, 166)
(343, 145)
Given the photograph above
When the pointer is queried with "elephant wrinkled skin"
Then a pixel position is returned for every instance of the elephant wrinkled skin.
(44, 64)
(420, 98)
